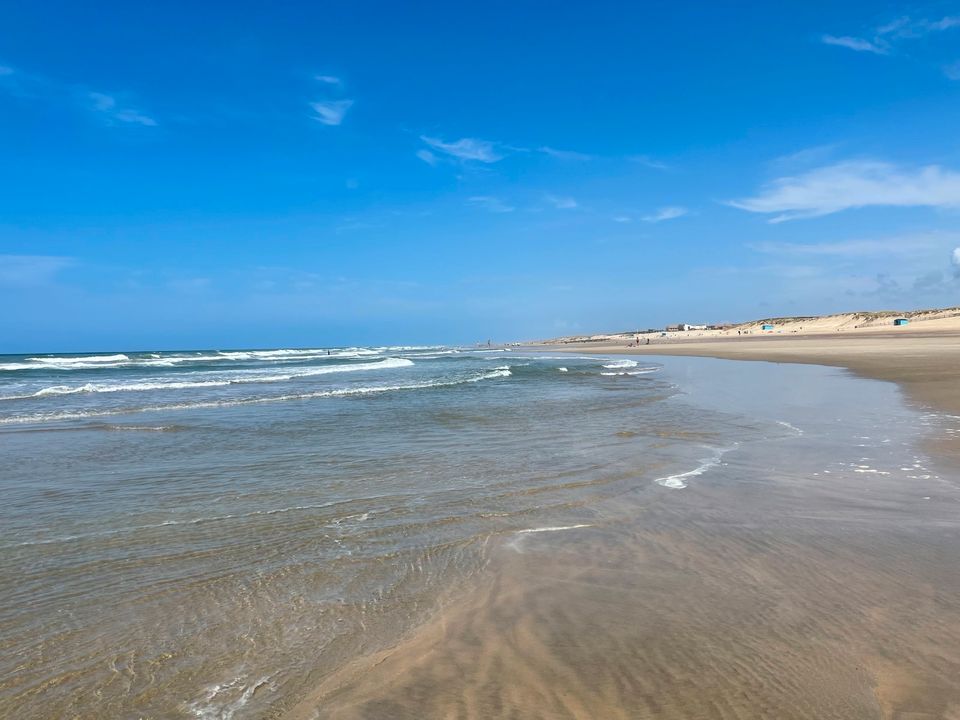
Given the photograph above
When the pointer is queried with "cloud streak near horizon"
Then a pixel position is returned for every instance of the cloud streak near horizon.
(854, 184)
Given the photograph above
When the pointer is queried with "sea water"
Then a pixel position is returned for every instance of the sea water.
(208, 534)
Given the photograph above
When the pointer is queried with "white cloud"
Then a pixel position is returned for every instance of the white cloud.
(882, 40)
(330, 112)
(946, 23)
(853, 43)
(649, 162)
(562, 203)
(493, 204)
(428, 157)
(622, 219)
(328, 79)
(108, 107)
(855, 249)
(466, 149)
(564, 154)
(30, 270)
(666, 213)
(37, 88)
(901, 267)
(854, 184)
(806, 157)
(102, 103)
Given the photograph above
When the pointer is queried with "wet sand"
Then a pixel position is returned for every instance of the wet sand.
(925, 364)
(718, 606)
(793, 597)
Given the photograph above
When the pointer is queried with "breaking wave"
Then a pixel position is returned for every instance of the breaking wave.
(208, 404)
(220, 381)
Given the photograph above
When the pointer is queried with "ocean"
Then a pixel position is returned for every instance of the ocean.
(210, 534)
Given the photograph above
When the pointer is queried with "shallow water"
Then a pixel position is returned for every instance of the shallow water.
(212, 534)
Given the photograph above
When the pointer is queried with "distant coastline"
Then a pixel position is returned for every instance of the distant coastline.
(922, 356)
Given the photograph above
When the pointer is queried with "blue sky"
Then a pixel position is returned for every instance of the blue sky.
(242, 174)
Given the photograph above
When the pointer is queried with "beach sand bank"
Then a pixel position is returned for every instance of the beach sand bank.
(923, 359)
(779, 595)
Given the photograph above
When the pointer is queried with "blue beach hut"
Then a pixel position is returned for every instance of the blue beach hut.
(900, 321)
(766, 326)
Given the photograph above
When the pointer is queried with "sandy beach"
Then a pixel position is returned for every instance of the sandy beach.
(923, 358)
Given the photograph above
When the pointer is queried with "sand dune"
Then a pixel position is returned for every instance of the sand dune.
(867, 322)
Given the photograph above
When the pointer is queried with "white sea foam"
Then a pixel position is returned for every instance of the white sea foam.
(222, 701)
(119, 360)
(621, 364)
(678, 481)
(195, 521)
(238, 378)
(429, 355)
(562, 369)
(211, 404)
(787, 425)
(641, 371)
(85, 359)
(554, 528)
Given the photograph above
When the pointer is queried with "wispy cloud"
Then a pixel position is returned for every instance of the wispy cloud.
(816, 154)
(853, 249)
(31, 270)
(884, 39)
(649, 162)
(562, 203)
(952, 70)
(488, 151)
(493, 204)
(854, 184)
(564, 154)
(328, 79)
(854, 43)
(666, 213)
(622, 219)
(330, 112)
(898, 267)
(428, 157)
(105, 107)
(108, 107)
(466, 149)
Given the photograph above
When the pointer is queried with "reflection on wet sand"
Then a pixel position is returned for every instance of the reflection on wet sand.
(804, 600)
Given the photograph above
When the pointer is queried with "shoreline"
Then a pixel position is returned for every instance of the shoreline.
(926, 365)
